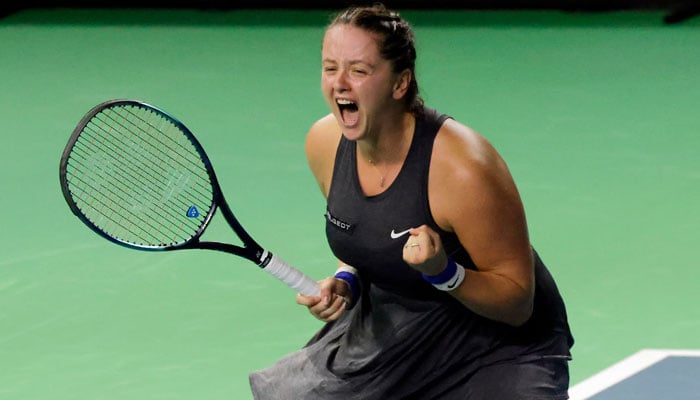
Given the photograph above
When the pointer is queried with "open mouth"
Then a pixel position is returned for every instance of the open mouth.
(348, 111)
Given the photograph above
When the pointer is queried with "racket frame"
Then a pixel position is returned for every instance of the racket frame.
(250, 250)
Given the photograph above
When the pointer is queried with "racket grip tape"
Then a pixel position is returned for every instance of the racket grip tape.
(294, 278)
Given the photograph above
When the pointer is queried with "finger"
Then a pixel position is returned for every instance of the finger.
(424, 239)
(324, 313)
(418, 248)
(335, 310)
(337, 314)
(325, 294)
(307, 301)
(327, 289)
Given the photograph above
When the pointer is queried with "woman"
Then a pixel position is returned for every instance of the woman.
(439, 294)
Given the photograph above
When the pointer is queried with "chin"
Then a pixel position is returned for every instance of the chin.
(354, 133)
(350, 135)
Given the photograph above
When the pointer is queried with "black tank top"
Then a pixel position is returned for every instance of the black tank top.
(362, 231)
(365, 231)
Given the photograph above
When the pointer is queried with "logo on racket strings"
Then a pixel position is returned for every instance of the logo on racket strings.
(192, 212)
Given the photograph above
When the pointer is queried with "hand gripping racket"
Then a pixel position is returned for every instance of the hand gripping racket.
(139, 178)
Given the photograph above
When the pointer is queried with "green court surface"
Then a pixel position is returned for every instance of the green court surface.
(596, 114)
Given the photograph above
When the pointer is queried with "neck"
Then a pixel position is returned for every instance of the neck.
(380, 159)
(390, 143)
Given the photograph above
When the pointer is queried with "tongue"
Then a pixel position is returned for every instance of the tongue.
(350, 117)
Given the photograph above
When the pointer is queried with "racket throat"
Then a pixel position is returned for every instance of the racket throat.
(264, 259)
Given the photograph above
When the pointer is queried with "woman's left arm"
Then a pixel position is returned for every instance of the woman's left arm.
(472, 194)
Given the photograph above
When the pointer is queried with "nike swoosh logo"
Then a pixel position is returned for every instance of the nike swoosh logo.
(395, 235)
(453, 284)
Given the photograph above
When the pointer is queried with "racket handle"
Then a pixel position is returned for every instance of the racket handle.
(294, 278)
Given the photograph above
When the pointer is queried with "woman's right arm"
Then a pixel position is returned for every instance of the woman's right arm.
(321, 146)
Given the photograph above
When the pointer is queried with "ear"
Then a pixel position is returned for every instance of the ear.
(403, 80)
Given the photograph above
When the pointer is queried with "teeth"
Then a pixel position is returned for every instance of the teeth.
(344, 102)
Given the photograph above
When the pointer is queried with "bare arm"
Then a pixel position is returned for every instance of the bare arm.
(473, 195)
(321, 146)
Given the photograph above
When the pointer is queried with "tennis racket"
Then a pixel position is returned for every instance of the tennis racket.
(139, 178)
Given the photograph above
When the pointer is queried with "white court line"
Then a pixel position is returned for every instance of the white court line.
(623, 370)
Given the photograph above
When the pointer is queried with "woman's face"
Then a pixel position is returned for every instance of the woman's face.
(356, 81)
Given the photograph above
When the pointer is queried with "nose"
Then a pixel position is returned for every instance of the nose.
(340, 84)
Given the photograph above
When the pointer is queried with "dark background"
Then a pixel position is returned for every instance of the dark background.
(583, 5)
(677, 10)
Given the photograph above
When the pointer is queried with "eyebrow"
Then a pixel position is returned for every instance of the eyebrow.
(352, 62)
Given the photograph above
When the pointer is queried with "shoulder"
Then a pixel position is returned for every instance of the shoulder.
(323, 131)
(321, 146)
(462, 150)
(466, 171)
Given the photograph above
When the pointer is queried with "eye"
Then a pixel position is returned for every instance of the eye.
(329, 69)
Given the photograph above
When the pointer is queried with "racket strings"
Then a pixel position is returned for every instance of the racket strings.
(136, 175)
(155, 174)
(120, 215)
(141, 195)
(108, 211)
(166, 129)
(176, 175)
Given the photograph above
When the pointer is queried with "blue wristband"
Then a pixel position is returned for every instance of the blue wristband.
(354, 283)
(451, 277)
(443, 276)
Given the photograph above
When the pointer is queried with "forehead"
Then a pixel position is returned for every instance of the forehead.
(346, 42)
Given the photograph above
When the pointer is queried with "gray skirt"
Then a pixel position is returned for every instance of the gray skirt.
(393, 347)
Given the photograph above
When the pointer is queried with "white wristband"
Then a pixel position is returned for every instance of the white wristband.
(346, 268)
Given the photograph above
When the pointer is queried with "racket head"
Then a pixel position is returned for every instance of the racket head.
(138, 177)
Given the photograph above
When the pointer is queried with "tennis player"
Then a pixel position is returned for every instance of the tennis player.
(439, 293)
